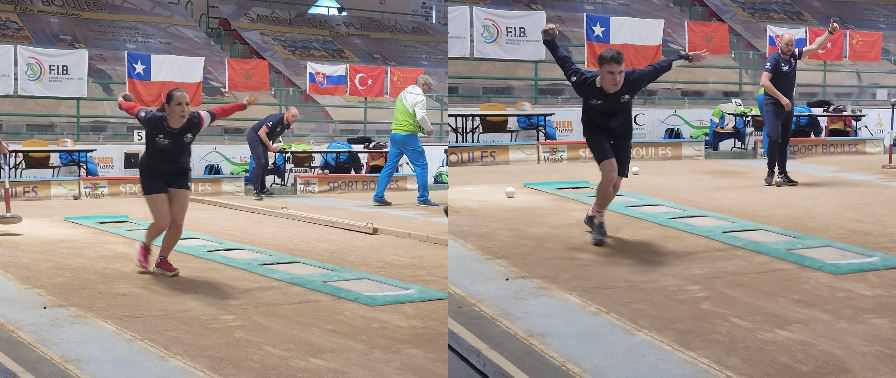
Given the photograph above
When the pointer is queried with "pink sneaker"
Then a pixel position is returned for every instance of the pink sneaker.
(143, 252)
(163, 266)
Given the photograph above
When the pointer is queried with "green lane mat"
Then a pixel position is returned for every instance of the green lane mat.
(354, 286)
(806, 250)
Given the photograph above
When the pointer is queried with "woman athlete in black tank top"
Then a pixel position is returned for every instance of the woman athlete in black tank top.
(165, 166)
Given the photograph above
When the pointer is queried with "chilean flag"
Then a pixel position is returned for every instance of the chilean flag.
(799, 37)
(150, 77)
(639, 39)
(327, 79)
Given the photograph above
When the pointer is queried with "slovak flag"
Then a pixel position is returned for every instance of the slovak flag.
(151, 76)
(367, 81)
(639, 39)
(326, 79)
(799, 37)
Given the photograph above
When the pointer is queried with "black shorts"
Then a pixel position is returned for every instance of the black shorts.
(606, 144)
(154, 183)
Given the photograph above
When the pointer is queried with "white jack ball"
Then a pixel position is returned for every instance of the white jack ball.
(510, 192)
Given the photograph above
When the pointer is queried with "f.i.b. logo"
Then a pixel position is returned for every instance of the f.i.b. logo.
(491, 31)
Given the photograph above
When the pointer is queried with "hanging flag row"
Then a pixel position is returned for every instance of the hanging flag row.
(359, 80)
(43, 72)
(63, 73)
(150, 76)
(323, 79)
(860, 46)
(517, 35)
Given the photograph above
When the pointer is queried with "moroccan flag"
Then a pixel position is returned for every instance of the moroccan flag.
(864, 46)
(639, 39)
(248, 75)
(401, 78)
(709, 36)
(366, 81)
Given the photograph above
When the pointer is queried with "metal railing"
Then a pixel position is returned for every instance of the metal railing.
(748, 68)
(282, 94)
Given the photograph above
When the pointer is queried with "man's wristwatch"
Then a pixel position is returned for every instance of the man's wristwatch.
(685, 56)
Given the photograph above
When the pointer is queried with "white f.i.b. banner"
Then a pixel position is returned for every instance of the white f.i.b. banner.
(51, 72)
(508, 34)
(459, 31)
(7, 65)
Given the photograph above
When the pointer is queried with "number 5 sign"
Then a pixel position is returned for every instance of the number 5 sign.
(139, 136)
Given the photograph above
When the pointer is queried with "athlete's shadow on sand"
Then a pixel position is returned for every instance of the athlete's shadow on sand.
(641, 252)
(6, 233)
(827, 184)
(197, 286)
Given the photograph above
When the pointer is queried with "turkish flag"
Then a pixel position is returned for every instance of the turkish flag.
(709, 36)
(865, 46)
(832, 49)
(248, 75)
(401, 78)
(366, 81)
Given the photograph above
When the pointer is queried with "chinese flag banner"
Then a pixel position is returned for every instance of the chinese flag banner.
(864, 46)
(401, 78)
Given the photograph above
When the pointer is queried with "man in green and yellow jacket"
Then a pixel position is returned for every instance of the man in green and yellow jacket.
(408, 121)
